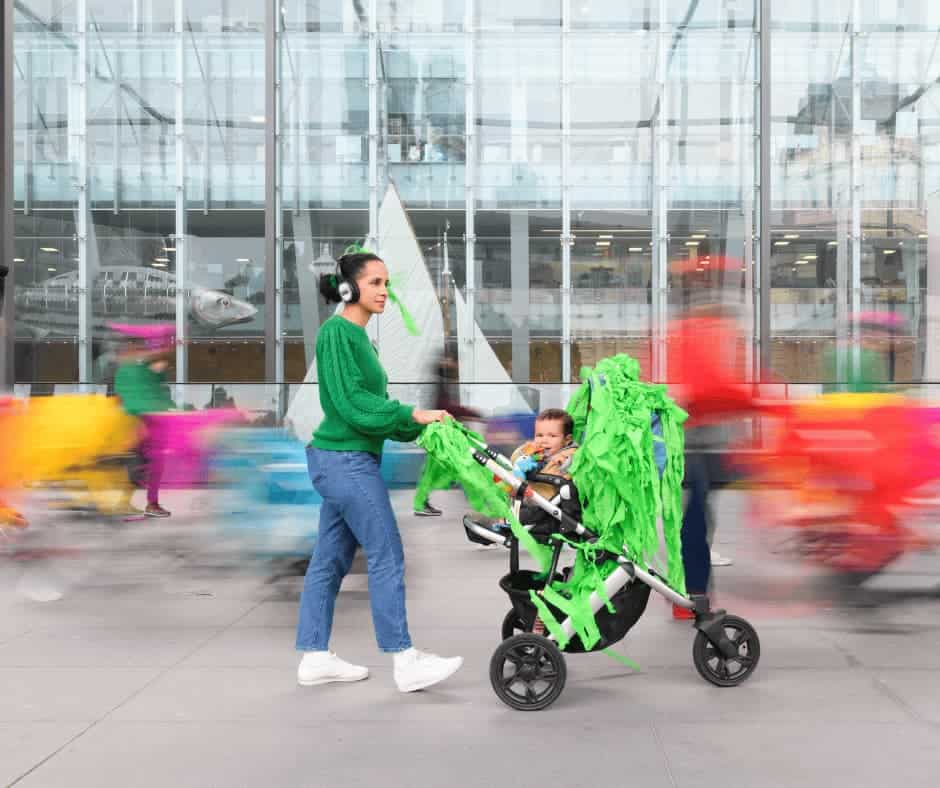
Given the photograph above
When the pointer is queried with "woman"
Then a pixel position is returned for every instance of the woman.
(343, 459)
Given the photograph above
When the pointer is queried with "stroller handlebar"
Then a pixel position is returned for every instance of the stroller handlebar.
(521, 489)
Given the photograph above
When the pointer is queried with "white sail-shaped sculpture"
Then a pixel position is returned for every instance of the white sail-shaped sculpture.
(493, 390)
(407, 359)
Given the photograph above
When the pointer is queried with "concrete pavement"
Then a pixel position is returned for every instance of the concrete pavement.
(155, 671)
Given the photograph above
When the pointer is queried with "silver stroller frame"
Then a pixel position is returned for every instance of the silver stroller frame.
(721, 641)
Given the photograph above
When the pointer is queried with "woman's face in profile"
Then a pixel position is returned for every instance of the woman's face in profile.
(373, 286)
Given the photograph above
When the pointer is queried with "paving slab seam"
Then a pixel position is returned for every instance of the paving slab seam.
(855, 664)
(881, 686)
(160, 674)
(662, 749)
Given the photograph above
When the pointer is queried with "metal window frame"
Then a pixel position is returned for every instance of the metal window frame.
(7, 248)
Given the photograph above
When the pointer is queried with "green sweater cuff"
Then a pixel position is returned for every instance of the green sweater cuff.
(405, 416)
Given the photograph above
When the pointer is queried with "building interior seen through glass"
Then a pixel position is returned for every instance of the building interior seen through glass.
(551, 181)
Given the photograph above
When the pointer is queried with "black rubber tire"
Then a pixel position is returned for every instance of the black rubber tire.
(537, 672)
(714, 668)
(512, 624)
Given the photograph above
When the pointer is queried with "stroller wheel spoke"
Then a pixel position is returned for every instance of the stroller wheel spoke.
(530, 692)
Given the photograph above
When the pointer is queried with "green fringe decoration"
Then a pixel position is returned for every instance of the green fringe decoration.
(618, 483)
(449, 445)
(622, 495)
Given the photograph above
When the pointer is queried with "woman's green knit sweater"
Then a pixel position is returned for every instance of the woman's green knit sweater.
(358, 415)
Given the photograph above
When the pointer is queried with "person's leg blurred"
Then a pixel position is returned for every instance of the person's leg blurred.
(695, 550)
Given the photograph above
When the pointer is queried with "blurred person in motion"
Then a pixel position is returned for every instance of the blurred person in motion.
(872, 370)
(140, 384)
(343, 459)
(446, 397)
(702, 346)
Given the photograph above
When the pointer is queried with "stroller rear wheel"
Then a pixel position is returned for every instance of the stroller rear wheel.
(528, 672)
(715, 667)
(513, 624)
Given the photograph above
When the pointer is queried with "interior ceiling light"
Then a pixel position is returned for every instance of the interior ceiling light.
(791, 236)
(832, 243)
(161, 259)
(636, 248)
(801, 262)
(698, 235)
(602, 243)
(691, 243)
(890, 251)
(809, 257)
(922, 235)
(781, 243)
(605, 236)
(50, 269)
(48, 249)
(18, 260)
(159, 265)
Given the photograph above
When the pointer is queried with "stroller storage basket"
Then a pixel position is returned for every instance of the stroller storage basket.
(629, 605)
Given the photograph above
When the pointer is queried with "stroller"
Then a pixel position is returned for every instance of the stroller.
(527, 670)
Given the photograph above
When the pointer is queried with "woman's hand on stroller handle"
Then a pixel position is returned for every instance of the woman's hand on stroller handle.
(430, 416)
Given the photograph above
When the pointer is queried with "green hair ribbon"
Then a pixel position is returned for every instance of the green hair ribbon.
(406, 317)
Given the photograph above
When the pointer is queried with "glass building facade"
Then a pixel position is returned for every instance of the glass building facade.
(575, 172)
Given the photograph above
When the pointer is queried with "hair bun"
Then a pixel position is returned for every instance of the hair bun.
(329, 288)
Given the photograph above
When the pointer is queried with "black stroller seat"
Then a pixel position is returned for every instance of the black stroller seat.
(560, 491)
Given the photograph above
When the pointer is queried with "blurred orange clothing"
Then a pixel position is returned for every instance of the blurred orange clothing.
(701, 365)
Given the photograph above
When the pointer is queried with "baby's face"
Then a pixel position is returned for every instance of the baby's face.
(550, 435)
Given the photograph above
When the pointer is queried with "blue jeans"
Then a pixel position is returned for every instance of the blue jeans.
(696, 555)
(356, 510)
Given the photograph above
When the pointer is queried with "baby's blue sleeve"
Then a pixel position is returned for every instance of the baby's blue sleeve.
(659, 444)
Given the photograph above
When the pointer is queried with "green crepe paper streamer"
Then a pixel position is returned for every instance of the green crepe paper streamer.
(405, 314)
(449, 445)
(622, 659)
(618, 483)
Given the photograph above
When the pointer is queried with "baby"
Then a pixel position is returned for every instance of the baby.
(550, 451)
(552, 448)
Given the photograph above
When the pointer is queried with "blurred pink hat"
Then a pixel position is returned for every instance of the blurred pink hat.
(156, 336)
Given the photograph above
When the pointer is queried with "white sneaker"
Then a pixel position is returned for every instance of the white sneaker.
(720, 560)
(323, 667)
(415, 670)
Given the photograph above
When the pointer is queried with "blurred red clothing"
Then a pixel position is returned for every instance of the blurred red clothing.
(701, 365)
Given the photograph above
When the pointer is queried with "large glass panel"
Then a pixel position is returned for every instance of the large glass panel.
(611, 278)
(46, 296)
(420, 16)
(613, 94)
(521, 15)
(518, 276)
(811, 117)
(46, 126)
(853, 176)
(518, 121)
(324, 120)
(424, 117)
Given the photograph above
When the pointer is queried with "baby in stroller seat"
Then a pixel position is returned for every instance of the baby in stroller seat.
(544, 461)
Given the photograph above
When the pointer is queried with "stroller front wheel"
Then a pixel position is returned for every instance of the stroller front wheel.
(528, 672)
(513, 624)
(728, 671)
